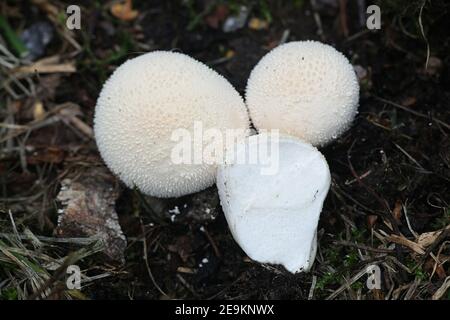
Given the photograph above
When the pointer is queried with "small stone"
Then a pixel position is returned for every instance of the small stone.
(236, 22)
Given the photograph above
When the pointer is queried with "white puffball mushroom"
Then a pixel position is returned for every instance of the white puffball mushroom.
(273, 214)
(306, 89)
(144, 102)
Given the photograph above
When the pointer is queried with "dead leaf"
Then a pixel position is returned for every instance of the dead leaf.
(427, 238)
(377, 294)
(371, 220)
(47, 154)
(397, 212)
(409, 101)
(38, 111)
(124, 11)
(182, 246)
(258, 24)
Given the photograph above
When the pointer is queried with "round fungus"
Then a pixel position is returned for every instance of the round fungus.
(148, 99)
(306, 89)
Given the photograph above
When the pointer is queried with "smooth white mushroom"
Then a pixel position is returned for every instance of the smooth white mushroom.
(273, 213)
(306, 89)
(144, 102)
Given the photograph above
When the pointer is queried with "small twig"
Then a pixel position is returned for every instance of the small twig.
(57, 275)
(412, 289)
(383, 202)
(13, 223)
(398, 263)
(347, 284)
(317, 19)
(442, 290)
(416, 113)
(149, 271)
(411, 158)
(364, 175)
(227, 287)
(405, 211)
(338, 192)
(363, 247)
(187, 285)
(357, 35)
(213, 243)
(423, 34)
(437, 260)
(311, 289)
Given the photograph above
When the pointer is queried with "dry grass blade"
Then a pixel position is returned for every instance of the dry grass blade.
(29, 270)
(147, 265)
(406, 243)
(40, 67)
(347, 284)
(442, 290)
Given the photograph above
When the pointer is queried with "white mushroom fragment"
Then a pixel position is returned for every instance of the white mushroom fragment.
(306, 89)
(144, 102)
(273, 216)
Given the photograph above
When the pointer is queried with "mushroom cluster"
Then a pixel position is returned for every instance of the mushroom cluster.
(309, 92)
(305, 90)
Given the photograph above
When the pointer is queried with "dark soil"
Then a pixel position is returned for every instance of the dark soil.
(393, 165)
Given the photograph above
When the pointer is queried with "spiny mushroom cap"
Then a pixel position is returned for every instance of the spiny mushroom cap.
(141, 105)
(305, 89)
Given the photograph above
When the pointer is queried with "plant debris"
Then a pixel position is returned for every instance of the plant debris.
(88, 198)
(388, 206)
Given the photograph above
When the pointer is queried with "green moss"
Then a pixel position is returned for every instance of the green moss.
(358, 285)
(9, 294)
(351, 259)
(359, 235)
(328, 279)
(264, 9)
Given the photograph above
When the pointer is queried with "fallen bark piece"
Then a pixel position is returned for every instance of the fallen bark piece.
(87, 199)
(273, 215)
